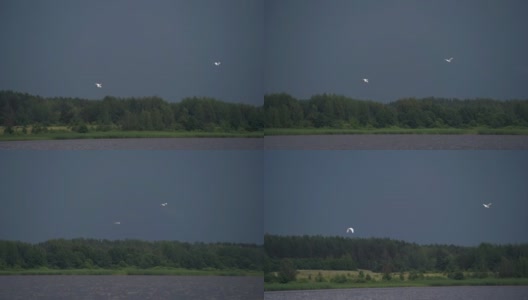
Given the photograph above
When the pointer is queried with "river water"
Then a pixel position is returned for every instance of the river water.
(397, 142)
(58, 287)
(406, 293)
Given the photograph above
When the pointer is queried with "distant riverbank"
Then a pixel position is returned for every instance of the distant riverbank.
(132, 271)
(396, 130)
(311, 280)
(63, 134)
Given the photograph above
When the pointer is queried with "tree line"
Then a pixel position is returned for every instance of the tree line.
(95, 253)
(148, 113)
(387, 255)
(278, 111)
(335, 111)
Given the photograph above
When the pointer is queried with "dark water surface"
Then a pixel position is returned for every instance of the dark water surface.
(130, 287)
(397, 142)
(406, 293)
(138, 144)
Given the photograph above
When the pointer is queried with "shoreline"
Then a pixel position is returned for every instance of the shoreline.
(128, 135)
(131, 272)
(118, 134)
(411, 131)
(297, 286)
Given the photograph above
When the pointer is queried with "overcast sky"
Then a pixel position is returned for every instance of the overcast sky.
(212, 196)
(416, 196)
(315, 46)
(302, 47)
(134, 47)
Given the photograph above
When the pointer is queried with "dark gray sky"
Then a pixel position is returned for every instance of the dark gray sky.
(212, 195)
(302, 47)
(416, 196)
(134, 47)
(315, 46)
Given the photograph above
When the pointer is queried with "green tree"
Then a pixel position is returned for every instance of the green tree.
(506, 268)
(287, 271)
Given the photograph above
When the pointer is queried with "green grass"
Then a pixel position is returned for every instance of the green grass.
(306, 281)
(393, 283)
(132, 271)
(61, 134)
(396, 130)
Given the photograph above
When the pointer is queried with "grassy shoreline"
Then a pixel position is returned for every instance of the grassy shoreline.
(306, 280)
(62, 133)
(131, 271)
(394, 283)
(394, 130)
(65, 135)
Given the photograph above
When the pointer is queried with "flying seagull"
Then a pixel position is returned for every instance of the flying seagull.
(99, 85)
(448, 59)
(350, 229)
(365, 79)
(164, 204)
(117, 223)
(217, 63)
(487, 205)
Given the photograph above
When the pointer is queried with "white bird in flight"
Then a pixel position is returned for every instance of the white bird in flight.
(487, 205)
(164, 204)
(217, 63)
(448, 59)
(117, 223)
(99, 85)
(350, 229)
(365, 79)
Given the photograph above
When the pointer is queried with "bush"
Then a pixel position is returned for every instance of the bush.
(80, 128)
(339, 279)
(39, 128)
(457, 275)
(270, 277)
(479, 274)
(9, 130)
(415, 275)
(368, 278)
(319, 278)
(287, 271)
(387, 276)
(103, 128)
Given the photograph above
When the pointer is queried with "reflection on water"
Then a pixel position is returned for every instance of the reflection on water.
(397, 142)
(138, 144)
(130, 287)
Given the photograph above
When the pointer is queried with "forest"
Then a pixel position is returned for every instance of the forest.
(96, 253)
(278, 111)
(335, 111)
(148, 113)
(387, 255)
